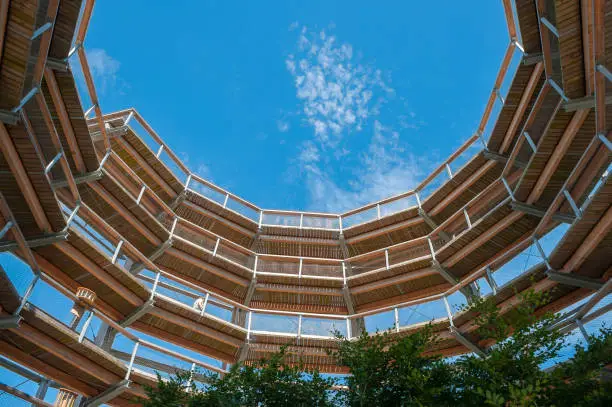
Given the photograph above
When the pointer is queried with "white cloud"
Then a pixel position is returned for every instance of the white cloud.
(104, 69)
(282, 125)
(385, 169)
(340, 98)
(336, 91)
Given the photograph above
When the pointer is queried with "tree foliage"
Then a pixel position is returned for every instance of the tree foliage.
(267, 383)
(387, 371)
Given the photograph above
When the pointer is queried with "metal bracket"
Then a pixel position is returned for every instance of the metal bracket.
(108, 394)
(466, 342)
(138, 313)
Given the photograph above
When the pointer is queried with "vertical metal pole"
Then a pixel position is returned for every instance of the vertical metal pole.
(117, 251)
(41, 392)
(203, 311)
(216, 246)
(225, 200)
(431, 248)
(397, 326)
(387, 259)
(85, 326)
(299, 329)
(300, 268)
(249, 326)
(491, 280)
(467, 218)
(378, 211)
(129, 370)
(448, 311)
(140, 195)
(348, 329)
(155, 283)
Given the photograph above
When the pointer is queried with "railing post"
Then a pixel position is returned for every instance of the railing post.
(467, 218)
(155, 283)
(85, 326)
(250, 320)
(387, 259)
(448, 311)
(203, 310)
(396, 314)
(117, 251)
(348, 328)
(132, 358)
(216, 247)
(491, 280)
(159, 151)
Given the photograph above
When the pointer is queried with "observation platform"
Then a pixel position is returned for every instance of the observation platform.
(103, 211)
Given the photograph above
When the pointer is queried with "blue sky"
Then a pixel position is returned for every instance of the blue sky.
(297, 105)
(302, 105)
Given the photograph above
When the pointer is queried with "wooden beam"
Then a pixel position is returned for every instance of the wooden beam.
(522, 106)
(462, 188)
(586, 13)
(183, 342)
(402, 278)
(147, 168)
(498, 82)
(125, 214)
(601, 230)
(482, 238)
(206, 266)
(195, 327)
(44, 369)
(64, 119)
(386, 229)
(80, 363)
(99, 273)
(230, 224)
(557, 155)
(23, 180)
(4, 8)
(24, 396)
(414, 295)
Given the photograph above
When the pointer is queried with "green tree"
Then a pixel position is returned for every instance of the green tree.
(387, 370)
(391, 372)
(268, 383)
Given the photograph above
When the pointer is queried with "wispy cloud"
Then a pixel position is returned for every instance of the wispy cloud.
(105, 72)
(342, 96)
(336, 91)
(104, 69)
(283, 126)
(385, 169)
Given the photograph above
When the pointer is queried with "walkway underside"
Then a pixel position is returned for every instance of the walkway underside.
(99, 203)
